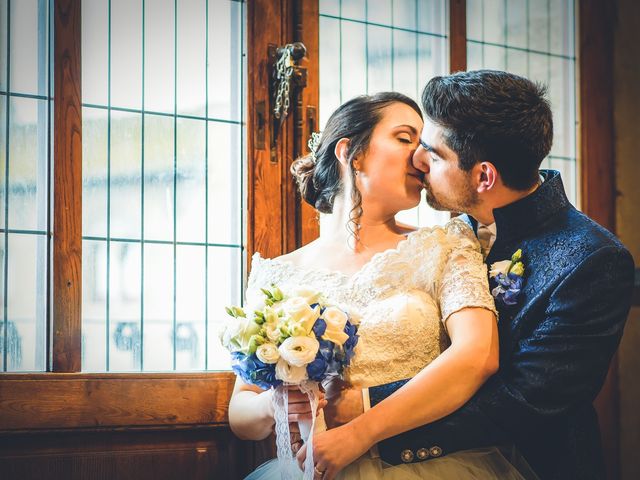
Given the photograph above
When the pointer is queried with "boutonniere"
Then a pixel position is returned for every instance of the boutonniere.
(509, 275)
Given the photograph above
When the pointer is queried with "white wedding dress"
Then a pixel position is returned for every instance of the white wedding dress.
(402, 298)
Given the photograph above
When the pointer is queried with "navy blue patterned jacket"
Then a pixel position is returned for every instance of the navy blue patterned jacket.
(555, 344)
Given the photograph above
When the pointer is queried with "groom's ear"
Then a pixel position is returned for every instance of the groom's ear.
(487, 176)
(341, 151)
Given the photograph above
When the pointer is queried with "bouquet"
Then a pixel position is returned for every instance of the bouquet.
(290, 338)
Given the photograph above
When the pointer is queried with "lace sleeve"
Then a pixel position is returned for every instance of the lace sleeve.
(464, 281)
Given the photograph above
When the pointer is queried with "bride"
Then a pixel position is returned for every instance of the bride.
(421, 295)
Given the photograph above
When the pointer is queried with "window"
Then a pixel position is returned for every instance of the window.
(163, 131)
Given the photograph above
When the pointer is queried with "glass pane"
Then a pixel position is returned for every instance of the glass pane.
(192, 57)
(538, 25)
(353, 61)
(494, 21)
(4, 31)
(126, 53)
(432, 17)
(158, 177)
(405, 78)
(29, 52)
(355, 9)
(123, 297)
(125, 175)
(190, 307)
(475, 23)
(28, 159)
(516, 12)
(225, 60)
(330, 7)
(94, 172)
(329, 65)
(3, 297)
(378, 12)
(95, 337)
(95, 52)
(378, 59)
(158, 307)
(3, 159)
(223, 289)
(191, 200)
(404, 14)
(159, 56)
(26, 303)
(224, 183)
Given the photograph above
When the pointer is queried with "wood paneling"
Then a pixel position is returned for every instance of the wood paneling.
(104, 401)
(458, 35)
(207, 453)
(597, 176)
(67, 189)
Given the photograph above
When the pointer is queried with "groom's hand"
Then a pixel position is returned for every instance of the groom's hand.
(344, 403)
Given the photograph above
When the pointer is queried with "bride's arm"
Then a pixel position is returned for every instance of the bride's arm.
(444, 385)
(250, 411)
(439, 389)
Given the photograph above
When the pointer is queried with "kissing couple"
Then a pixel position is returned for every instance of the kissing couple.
(483, 342)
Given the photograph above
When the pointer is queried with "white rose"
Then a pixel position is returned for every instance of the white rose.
(290, 374)
(300, 312)
(309, 296)
(268, 353)
(336, 320)
(299, 351)
(500, 267)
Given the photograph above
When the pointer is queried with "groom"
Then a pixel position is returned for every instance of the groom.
(485, 137)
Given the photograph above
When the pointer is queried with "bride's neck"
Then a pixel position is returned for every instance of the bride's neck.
(375, 228)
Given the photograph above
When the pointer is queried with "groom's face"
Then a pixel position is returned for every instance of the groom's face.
(447, 186)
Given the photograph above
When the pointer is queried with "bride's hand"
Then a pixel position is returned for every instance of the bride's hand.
(300, 408)
(334, 449)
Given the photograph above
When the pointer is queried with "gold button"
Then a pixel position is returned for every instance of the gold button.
(435, 451)
(422, 454)
(406, 456)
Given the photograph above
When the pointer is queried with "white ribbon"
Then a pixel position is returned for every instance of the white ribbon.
(287, 461)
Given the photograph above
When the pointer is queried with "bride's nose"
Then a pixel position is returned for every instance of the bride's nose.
(419, 160)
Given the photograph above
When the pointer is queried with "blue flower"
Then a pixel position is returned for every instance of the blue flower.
(319, 327)
(253, 371)
(349, 346)
(316, 369)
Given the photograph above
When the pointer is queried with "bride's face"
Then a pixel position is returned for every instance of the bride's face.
(387, 179)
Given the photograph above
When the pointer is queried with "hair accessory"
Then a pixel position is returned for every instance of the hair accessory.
(313, 143)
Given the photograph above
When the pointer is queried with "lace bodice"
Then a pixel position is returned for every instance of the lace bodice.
(402, 297)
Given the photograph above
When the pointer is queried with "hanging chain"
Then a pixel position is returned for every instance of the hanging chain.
(283, 73)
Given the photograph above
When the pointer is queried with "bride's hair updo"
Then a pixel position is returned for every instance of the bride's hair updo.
(318, 173)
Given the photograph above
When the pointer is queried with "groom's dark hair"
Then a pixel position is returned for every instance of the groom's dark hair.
(493, 116)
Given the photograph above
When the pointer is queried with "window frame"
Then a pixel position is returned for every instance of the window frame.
(63, 398)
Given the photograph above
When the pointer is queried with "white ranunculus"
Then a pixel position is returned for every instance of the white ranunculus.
(336, 320)
(299, 351)
(300, 312)
(500, 267)
(268, 353)
(289, 373)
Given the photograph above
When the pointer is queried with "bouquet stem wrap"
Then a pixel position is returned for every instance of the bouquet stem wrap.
(288, 465)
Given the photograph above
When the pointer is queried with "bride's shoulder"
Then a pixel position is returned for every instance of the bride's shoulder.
(453, 235)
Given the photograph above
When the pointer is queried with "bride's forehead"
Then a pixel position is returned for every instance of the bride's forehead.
(399, 113)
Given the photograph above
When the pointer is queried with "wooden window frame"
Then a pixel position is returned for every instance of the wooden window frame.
(63, 398)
